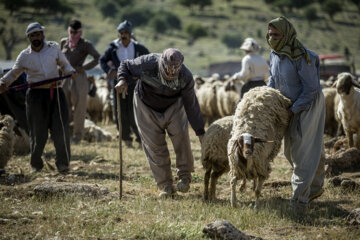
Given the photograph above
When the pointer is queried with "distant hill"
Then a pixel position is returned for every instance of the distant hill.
(240, 18)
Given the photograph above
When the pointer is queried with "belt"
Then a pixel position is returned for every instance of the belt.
(48, 85)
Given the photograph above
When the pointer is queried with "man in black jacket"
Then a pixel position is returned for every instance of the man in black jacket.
(164, 101)
(121, 49)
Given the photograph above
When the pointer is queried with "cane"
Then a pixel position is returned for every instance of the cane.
(120, 138)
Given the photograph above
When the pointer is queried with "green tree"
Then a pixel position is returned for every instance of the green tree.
(310, 14)
(110, 8)
(20, 12)
(195, 31)
(232, 40)
(331, 7)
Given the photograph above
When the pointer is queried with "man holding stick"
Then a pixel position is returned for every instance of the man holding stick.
(46, 107)
(164, 101)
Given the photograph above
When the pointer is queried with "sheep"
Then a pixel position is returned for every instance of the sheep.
(330, 121)
(7, 138)
(349, 106)
(227, 98)
(93, 133)
(99, 107)
(260, 121)
(206, 96)
(214, 153)
(22, 142)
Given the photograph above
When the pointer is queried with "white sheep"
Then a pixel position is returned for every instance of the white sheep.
(349, 106)
(7, 138)
(214, 153)
(206, 96)
(22, 142)
(260, 121)
(93, 133)
(227, 98)
(330, 121)
(99, 107)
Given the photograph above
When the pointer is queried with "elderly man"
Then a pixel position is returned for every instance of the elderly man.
(294, 71)
(46, 106)
(76, 49)
(121, 49)
(254, 68)
(164, 101)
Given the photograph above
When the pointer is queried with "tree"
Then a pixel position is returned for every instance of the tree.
(19, 12)
(310, 14)
(110, 8)
(232, 40)
(331, 7)
(195, 31)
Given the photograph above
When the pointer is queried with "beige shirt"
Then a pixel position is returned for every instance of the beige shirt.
(39, 66)
(253, 67)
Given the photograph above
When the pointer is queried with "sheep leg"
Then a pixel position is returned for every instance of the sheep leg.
(233, 192)
(243, 185)
(206, 183)
(349, 136)
(214, 178)
(255, 182)
(260, 182)
(358, 140)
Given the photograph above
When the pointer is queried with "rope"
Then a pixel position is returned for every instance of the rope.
(36, 84)
(62, 124)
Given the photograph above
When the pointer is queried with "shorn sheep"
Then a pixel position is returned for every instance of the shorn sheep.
(7, 138)
(214, 153)
(260, 121)
(349, 106)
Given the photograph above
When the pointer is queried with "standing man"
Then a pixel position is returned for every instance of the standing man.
(46, 106)
(164, 101)
(254, 68)
(294, 71)
(76, 49)
(122, 49)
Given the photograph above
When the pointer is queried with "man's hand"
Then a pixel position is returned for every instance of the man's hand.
(121, 86)
(201, 138)
(3, 87)
(290, 113)
(73, 75)
(112, 74)
(79, 69)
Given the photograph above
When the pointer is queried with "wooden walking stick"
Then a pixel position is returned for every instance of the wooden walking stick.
(120, 138)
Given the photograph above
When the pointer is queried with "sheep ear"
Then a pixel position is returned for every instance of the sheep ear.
(235, 147)
(256, 140)
(334, 85)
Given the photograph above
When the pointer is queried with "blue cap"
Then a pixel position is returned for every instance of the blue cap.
(125, 25)
(34, 27)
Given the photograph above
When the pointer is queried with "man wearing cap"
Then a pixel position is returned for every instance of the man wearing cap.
(76, 49)
(294, 72)
(254, 68)
(121, 49)
(46, 106)
(164, 101)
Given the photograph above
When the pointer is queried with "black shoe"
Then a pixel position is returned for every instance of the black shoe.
(63, 169)
(2, 171)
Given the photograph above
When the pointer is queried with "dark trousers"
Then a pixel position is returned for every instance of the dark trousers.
(42, 114)
(127, 114)
(251, 84)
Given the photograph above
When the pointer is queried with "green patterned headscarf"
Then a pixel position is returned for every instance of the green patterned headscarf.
(288, 44)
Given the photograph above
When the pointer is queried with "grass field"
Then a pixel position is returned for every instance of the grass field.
(141, 215)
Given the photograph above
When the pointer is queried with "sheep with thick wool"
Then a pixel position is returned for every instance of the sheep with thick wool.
(214, 153)
(348, 111)
(7, 138)
(260, 121)
(227, 98)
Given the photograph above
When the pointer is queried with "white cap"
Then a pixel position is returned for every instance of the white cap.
(34, 27)
(250, 44)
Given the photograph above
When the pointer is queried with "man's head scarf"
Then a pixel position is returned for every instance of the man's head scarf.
(288, 44)
(170, 61)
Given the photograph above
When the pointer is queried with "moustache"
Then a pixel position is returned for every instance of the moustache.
(36, 43)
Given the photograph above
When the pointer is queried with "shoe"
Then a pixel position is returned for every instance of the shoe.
(128, 143)
(35, 170)
(315, 195)
(183, 185)
(298, 206)
(167, 192)
(2, 171)
(63, 169)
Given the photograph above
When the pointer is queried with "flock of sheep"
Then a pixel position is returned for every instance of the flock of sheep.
(243, 137)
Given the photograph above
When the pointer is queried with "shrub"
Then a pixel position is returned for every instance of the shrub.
(232, 40)
(195, 31)
(310, 14)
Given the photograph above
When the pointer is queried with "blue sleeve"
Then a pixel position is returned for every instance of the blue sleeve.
(271, 82)
(104, 59)
(310, 80)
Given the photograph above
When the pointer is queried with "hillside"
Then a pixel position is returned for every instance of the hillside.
(246, 18)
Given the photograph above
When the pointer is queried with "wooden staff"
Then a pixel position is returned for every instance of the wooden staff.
(120, 138)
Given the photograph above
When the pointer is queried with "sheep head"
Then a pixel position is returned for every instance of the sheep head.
(345, 82)
(245, 144)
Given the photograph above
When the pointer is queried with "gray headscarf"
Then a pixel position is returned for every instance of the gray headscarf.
(170, 61)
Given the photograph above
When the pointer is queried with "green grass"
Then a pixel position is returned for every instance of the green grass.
(141, 215)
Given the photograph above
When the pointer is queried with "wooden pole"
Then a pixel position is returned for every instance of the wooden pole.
(120, 140)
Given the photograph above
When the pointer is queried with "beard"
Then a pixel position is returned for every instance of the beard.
(36, 43)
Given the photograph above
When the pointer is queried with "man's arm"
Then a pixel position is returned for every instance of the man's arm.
(13, 74)
(91, 51)
(192, 107)
(63, 62)
(244, 73)
(104, 59)
(271, 82)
